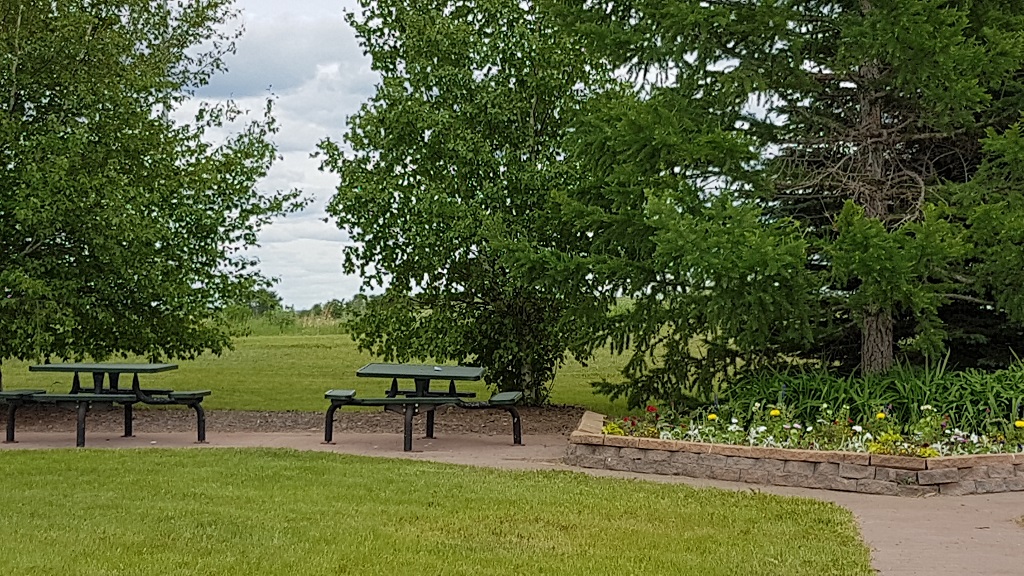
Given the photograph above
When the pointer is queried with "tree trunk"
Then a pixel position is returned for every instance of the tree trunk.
(876, 337)
(529, 388)
(876, 342)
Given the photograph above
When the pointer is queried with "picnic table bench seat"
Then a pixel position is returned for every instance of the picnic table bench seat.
(19, 393)
(410, 405)
(81, 401)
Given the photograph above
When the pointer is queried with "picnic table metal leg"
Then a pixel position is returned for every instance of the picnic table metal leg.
(128, 415)
(200, 422)
(97, 382)
(76, 384)
(430, 424)
(517, 426)
(410, 411)
(329, 423)
(83, 407)
(114, 379)
(11, 409)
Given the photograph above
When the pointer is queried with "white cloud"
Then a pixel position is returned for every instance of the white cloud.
(308, 57)
(309, 271)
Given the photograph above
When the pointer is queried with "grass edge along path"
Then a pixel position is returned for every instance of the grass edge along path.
(277, 511)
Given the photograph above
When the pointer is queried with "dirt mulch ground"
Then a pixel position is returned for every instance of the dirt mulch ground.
(547, 420)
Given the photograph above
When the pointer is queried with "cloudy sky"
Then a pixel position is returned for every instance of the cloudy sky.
(304, 53)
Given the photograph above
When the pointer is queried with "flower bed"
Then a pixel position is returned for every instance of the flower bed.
(887, 474)
(930, 434)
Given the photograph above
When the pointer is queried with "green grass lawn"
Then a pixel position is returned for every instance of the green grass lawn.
(292, 372)
(226, 512)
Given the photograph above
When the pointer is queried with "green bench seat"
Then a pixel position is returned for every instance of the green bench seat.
(411, 405)
(348, 397)
(502, 398)
(19, 393)
(83, 400)
(83, 397)
(188, 395)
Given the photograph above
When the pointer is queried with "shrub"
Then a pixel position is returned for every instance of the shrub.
(973, 399)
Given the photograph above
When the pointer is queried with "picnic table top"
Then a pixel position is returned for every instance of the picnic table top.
(140, 368)
(421, 371)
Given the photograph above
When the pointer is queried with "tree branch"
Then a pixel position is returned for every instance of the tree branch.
(14, 64)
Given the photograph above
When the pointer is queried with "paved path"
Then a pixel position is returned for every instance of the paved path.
(968, 535)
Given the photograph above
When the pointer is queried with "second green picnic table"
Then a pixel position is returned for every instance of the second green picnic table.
(420, 398)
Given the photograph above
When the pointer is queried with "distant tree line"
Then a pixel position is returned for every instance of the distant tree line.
(266, 310)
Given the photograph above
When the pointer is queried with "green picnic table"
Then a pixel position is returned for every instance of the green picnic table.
(105, 389)
(420, 398)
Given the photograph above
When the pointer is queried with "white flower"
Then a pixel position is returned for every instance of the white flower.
(810, 429)
(857, 429)
(797, 426)
(761, 429)
(868, 436)
(927, 407)
(735, 421)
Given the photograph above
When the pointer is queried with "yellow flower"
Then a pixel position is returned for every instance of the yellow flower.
(880, 415)
(1018, 424)
(712, 417)
(775, 412)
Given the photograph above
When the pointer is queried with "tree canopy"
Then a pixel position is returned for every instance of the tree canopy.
(453, 160)
(121, 225)
(787, 183)
(799, 181)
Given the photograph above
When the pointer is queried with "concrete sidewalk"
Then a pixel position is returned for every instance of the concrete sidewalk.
(967, 535)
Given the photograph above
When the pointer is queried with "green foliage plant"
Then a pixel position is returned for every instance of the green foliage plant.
(831, 429)
(969, 398)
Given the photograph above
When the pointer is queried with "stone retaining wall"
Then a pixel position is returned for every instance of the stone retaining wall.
(847, 471)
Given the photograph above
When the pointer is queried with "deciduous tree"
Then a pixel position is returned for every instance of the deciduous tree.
(452, 161)
(121, 226)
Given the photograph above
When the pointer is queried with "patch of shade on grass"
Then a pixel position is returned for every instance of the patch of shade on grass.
(241, 512)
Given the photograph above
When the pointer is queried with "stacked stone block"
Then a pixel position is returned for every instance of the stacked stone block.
(846, 471)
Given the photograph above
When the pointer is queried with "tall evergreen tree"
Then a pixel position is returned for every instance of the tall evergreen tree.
(793, 172)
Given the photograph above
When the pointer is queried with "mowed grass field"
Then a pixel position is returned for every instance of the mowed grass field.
(292, 372)
(241, 512)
